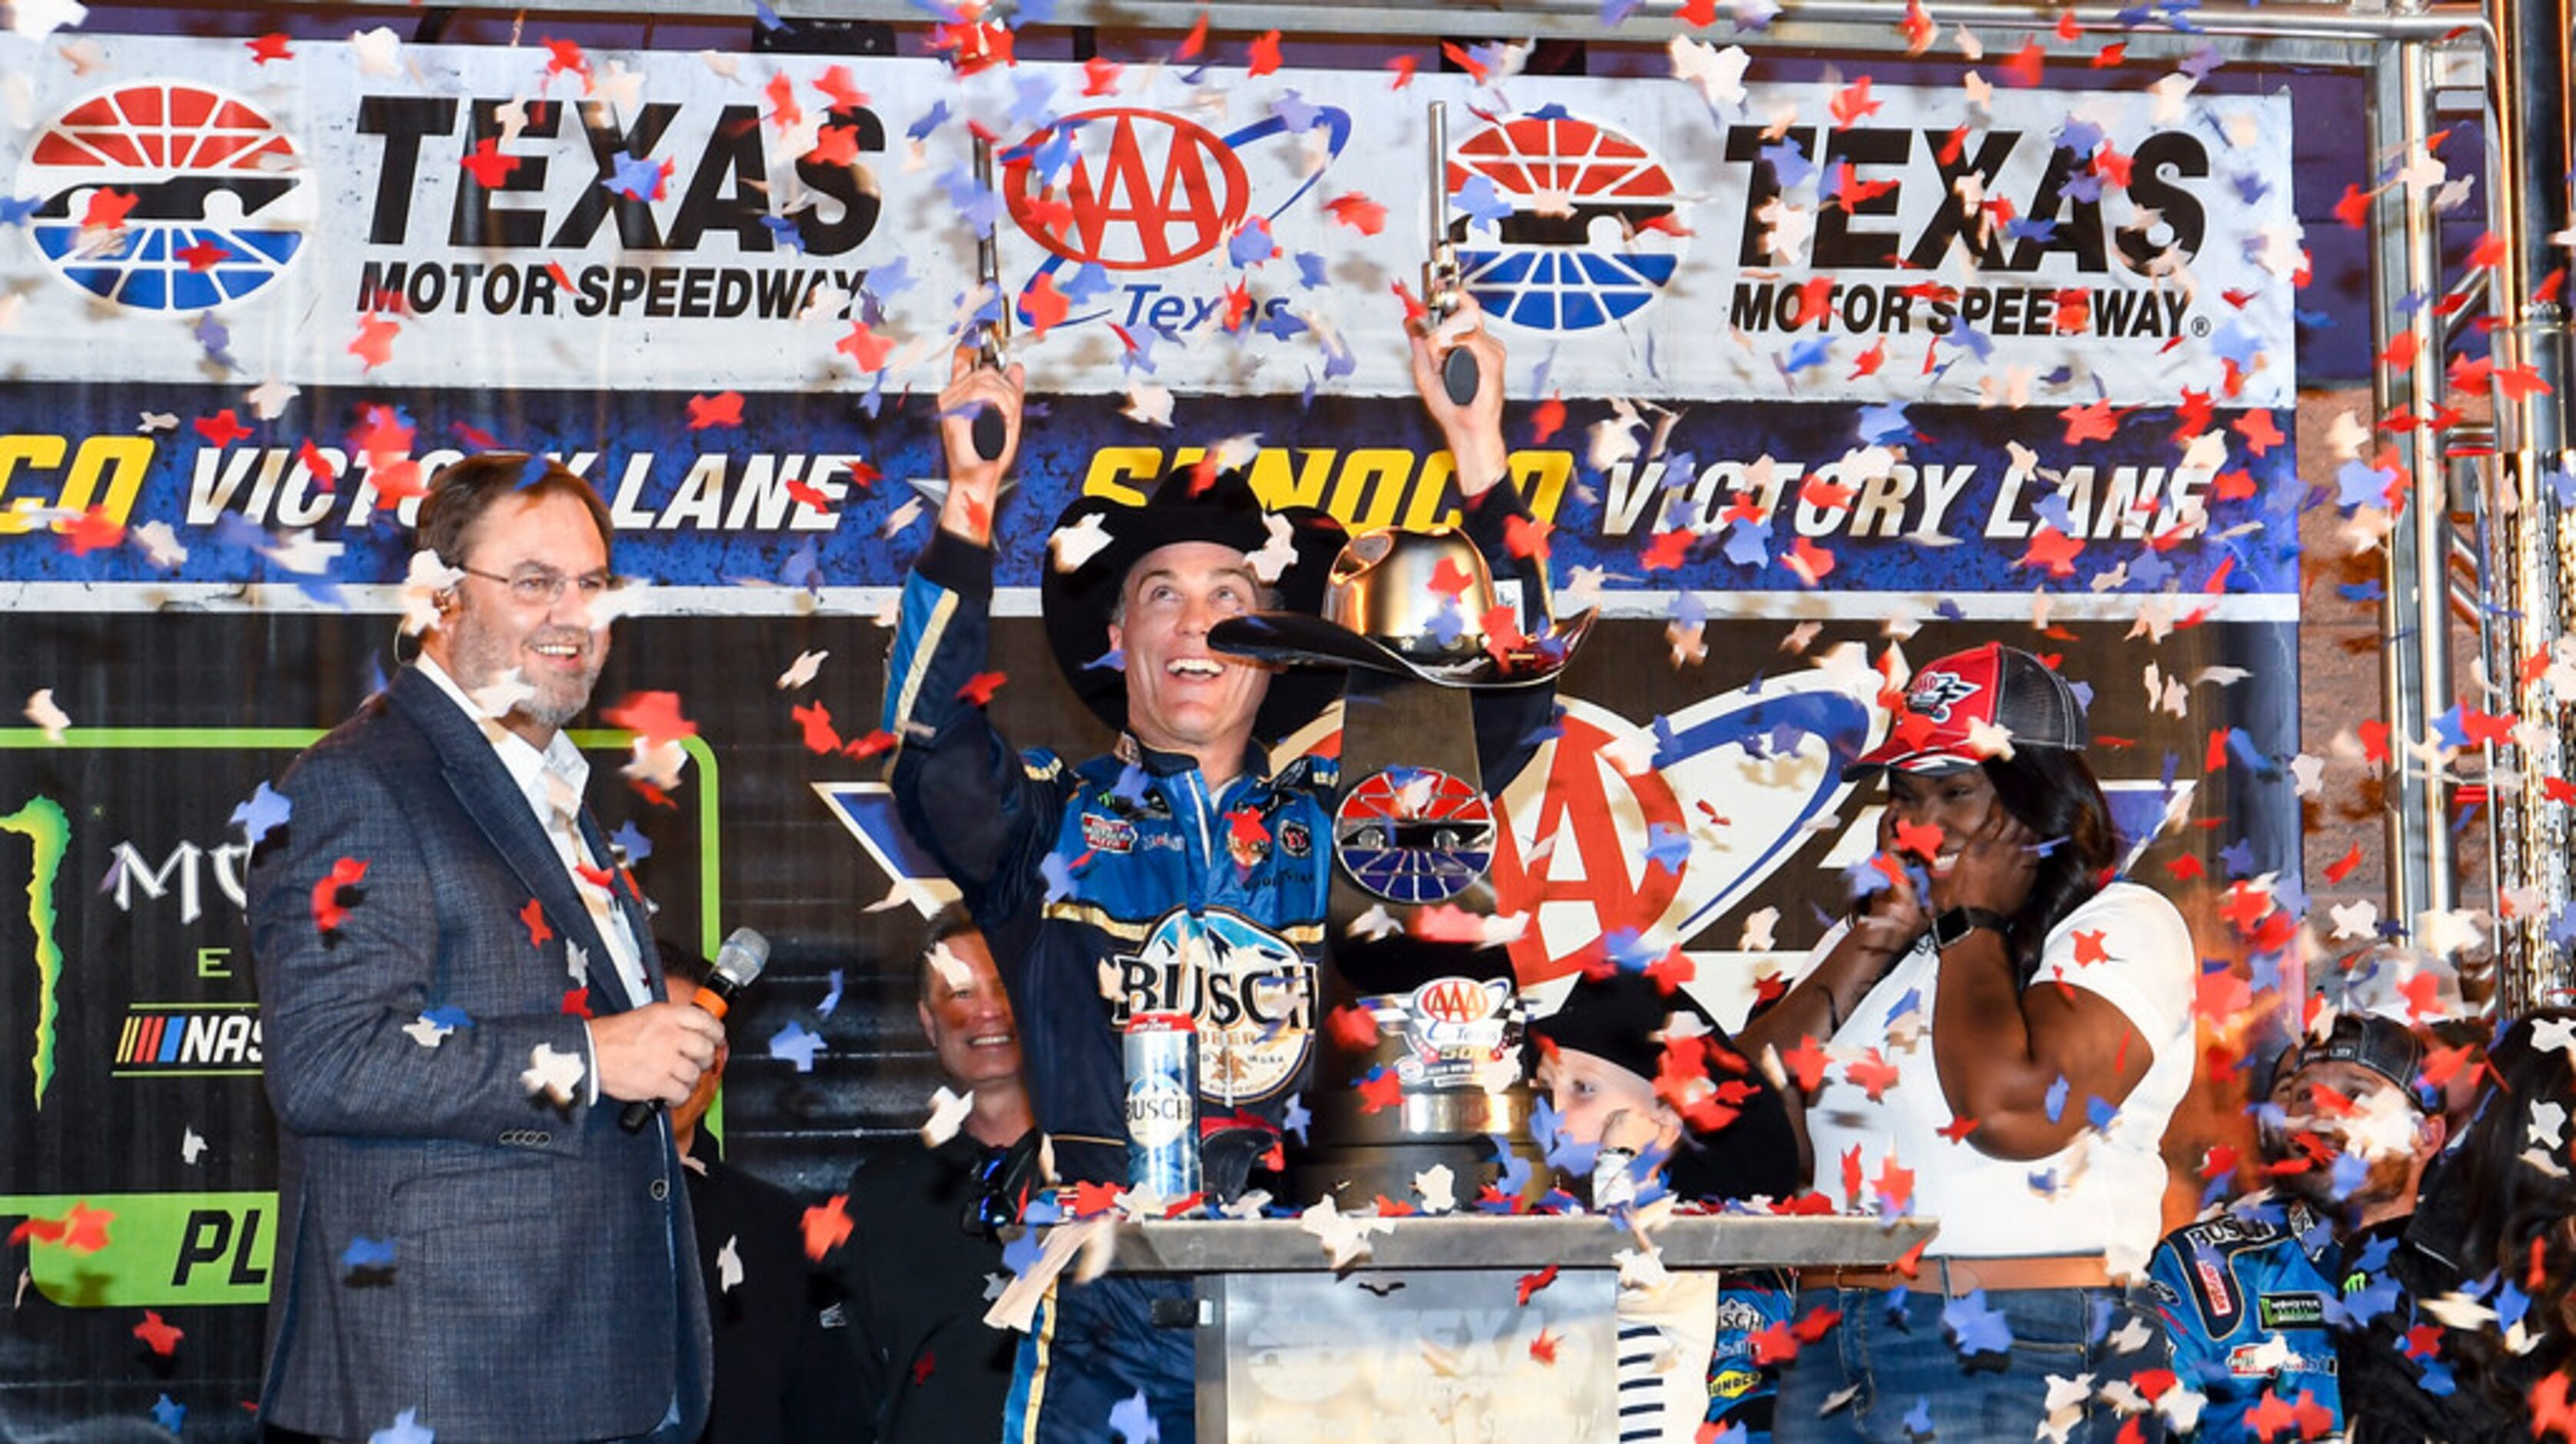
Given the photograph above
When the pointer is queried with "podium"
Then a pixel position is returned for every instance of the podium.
(1426, 1338)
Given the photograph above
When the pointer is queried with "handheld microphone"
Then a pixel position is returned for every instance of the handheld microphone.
(740, 960)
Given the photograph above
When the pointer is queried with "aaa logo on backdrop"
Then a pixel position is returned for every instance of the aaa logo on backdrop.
(167, 196)
(1143, 191)
(1733, 785)
(1584, 244)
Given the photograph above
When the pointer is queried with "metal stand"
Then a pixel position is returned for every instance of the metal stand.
(1427, 1338)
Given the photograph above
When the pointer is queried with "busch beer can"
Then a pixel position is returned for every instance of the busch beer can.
(1162, 1105)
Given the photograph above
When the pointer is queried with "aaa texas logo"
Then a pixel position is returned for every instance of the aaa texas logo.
(167, 195)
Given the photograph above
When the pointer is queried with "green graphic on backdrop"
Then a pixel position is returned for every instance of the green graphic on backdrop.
(189, 1248)
(162, 1250)
(42, 823)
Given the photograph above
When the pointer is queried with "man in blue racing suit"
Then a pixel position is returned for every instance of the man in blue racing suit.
(2262, 1301)
(1181, 872)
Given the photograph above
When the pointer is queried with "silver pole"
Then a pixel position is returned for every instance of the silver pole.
(2415, 614)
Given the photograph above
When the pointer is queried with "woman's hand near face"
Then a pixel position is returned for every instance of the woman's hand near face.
(1993, 867)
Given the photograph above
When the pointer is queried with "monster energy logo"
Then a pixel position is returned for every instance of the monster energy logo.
(49, 832)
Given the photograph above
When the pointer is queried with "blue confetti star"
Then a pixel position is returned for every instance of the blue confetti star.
(16, 210)
(832, 999)
(267, 808)
(1058, 876)
(1295, 113)
(169, 1413)
(1294, 1118)
(931, 120)
(1918, 1420)
(794, 1044)
(635, 177)
(631, 841)
(2056, 1100)
(1022, 1253)
(1975, 1328)
(1132, 1419)
(1480, 202)
(448, 1015)
(1090, 279)
(1668, 847)
(367, 1255)
(1885, 422)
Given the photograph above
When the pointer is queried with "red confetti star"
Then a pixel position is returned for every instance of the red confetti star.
(534, 917)
(1353, 1029)
(816, 721)
(1543, 1348)
(92, 530)
(1358, 212)
(875, 742)
(221, 429)
(1852, 103)
(979, 689)
(2054, 550)
(2088, 948)
(487, 164)
(865, 347)
(2097, 422)
(654, 717)
(1665, 550)
(203, 256)
(2023, 69)
(1957, 1131)
(1810, 563)
(722, 409)
(1403, 66)
(1546, 419)
(1093, 1199)
(1806, 1064)
(1265, 54)
(107, 209)
(160, 1337)
(921, 1368)
(576, 1003)
(827, 1226)
(375, 342)
(1100, 77)
(271, 46)
(1532, 1283)
(1381, 1090)
(1871, 1074)
(1194, 42)
(328, 913)
(1043, 306)
(1918, 839)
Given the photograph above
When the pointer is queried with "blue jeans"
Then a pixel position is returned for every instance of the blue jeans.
(1090, 1351)
(1910, 1377)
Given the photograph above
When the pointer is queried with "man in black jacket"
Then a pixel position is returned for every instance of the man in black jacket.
(919, 1267)
(780, 1372)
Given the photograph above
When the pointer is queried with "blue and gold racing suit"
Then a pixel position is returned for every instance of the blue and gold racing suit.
(1126, 885)
(2249, 1299)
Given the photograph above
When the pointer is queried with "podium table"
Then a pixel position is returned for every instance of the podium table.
(1426, 1338)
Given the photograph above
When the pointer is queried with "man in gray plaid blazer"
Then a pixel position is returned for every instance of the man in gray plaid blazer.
(460, 997)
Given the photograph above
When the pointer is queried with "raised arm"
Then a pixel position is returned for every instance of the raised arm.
(2001, 1047)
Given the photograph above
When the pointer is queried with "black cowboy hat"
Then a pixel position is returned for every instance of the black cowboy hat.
(1223, 509)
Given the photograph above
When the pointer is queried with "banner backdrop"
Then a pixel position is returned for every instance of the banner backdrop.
(2040, 344)
(523, 218)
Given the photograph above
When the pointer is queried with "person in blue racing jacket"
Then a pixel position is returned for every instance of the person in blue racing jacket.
(1184, 871)
(2262, 1299)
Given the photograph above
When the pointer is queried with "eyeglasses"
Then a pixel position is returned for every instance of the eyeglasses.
(544, 586)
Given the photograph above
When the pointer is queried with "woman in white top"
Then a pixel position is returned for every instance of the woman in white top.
(2008, 1029)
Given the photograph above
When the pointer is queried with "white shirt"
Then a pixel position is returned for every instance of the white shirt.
(2102, 1193)
(552, 781)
